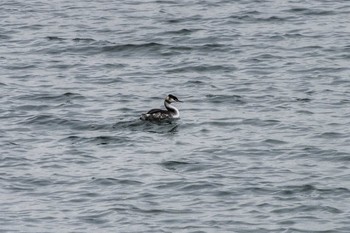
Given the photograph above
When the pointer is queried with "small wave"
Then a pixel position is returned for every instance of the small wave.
(89, 45)
(303, 100)
(161, 210)
(308, 208)
(83, 39)
(20, 67)
(45, 119)
(115, 66)
(180, 48)
(99, 140)
(332, 135)
(182, 31)
(293, 35)
(225, 99)
(259, 122)
(275, 141)
(48, 121)
(147, 126)
(63, 66)
(311, 12)
(31, 107)
(185, 19)
(174, 165)
(266, 56)
(77, 39)
(201, 186)
(5, 37)
(161, 48)
(165, 126)
(308, 48)
(94, 218)
(49, 97)
(254, 19)
(7, 161)
(218, 123)
(291, 190)
(202, 69)
(55, 38)
(127, 124)
(114, 181)
(195, 83)
(133, 47)
(321, 70)
(213, 45)
(305, 112)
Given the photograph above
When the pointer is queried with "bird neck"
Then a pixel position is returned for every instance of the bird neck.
(174, 111)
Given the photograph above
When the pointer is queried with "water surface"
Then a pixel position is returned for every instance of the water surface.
(263, 140)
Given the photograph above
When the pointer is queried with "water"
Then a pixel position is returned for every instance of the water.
(263, 141)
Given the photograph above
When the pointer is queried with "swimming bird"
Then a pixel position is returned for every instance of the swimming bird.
(170, 113)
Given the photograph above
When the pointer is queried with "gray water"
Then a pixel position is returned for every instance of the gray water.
(263, 143)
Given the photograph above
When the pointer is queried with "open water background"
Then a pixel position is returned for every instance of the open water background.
(263, 143)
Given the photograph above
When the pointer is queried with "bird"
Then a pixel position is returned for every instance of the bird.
(170, 113)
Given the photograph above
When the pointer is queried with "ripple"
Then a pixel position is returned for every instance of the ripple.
(133, 47)
(307, 11)
(182, 31)
(54, 38)
(275, 142)
(200, 186)
(260, 122)
(201, 69)
(174, 165)
(254, 17)
(308, 189)
(99, 140)
(332, 135)
(304, 100)
(49, 97)
(113, 181)
(225, 99)
(45, 120)
(262, 144)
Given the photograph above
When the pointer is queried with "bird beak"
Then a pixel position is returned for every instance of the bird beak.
(179, 101)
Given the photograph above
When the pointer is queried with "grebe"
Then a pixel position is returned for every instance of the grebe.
(158, 114)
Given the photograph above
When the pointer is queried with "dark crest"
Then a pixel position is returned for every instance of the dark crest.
(173, 97)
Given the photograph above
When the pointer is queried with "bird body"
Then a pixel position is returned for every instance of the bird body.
(171, 112)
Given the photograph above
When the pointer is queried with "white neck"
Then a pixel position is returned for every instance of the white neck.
(173, 108)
